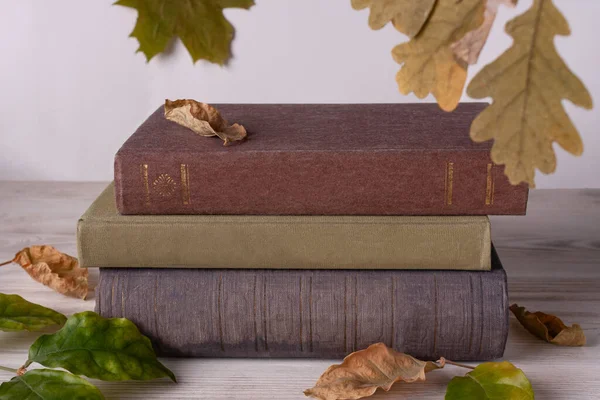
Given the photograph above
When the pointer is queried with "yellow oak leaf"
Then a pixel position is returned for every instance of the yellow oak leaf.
(469, 46)
(54, 269)
(527, 84)
(407, 16)
(363, 372)
(428, 62)
(549, 327)
(200, 24)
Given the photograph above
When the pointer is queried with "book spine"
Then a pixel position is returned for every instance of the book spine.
(317, 314)
(282, 242)
(316, 183)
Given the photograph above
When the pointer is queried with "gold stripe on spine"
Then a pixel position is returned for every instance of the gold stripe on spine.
(489, 185)
(144, 174)
(185, 183)
(449, 181)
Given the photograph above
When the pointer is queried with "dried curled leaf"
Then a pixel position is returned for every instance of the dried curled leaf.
(362, 372)
(469, 47)
(428, 62)
(527, 84)
(549, 327)
(407, 16)
(203, 119)
(54, 269)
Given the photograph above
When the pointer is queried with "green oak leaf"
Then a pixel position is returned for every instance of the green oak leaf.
(491, 380)
(111, 349)
(47, 384)
(17, 314)
(200, 24)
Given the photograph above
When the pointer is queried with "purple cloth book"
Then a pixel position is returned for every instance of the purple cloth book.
(461, 315)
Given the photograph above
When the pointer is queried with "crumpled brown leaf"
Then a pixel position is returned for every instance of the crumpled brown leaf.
(203, 119)
(468, 48)
(362, 372)
(54, 269)
(549, 327)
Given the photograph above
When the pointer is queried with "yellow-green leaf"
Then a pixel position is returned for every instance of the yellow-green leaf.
(549, 327)
(469, 47)
(18, 314)
(428, 62)
(407, 16)
(491, 381)
(47, 384)
(527, 84)
(200, 24)
(111, 349)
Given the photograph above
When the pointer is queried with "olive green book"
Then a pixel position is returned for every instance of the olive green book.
(107, 239)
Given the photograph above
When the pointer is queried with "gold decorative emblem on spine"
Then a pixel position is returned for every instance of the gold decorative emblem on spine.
(448, 184)
(185, 183)
(490, 185)
(144, 175)
(164, 185)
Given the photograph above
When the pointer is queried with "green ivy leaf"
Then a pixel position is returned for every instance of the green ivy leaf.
(47, 384)
(200, 24)
(111, 349)
(17, 314)
(491, 380)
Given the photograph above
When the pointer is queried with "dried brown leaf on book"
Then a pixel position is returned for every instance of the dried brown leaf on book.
(549, 327)
(203, 119)
(468, 48)
(428, 62)
(527, 84)
(54, 269)
(407, 16)
(363, 372)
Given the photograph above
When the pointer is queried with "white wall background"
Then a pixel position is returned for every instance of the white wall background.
(73, 88)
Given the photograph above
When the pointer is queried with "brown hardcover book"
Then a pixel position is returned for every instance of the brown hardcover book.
(325, 159)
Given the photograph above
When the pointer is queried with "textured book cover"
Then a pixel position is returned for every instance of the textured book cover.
(461, 315)
(317, 159)
(107, 239)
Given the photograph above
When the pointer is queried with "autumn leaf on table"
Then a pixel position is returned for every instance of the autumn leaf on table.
(527, 84)
(428, 62)
(468, 48)
(47, 384)
(203, 119)
(18, 314)
(200, 24)
(54, 269)
(363, 372)
(549, 327)
(407, 16)
(110, 349)
(491, 381)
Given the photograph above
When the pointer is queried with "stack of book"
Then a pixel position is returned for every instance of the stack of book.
(331, 228)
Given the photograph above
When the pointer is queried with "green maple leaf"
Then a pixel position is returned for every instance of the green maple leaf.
(200, 24)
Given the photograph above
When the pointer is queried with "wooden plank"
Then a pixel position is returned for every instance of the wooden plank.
(552, 257)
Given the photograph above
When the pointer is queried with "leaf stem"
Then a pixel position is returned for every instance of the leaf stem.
(14, 371)
(6, 262)
(458, 364)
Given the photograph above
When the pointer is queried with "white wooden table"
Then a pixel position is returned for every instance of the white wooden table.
(552, 257)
